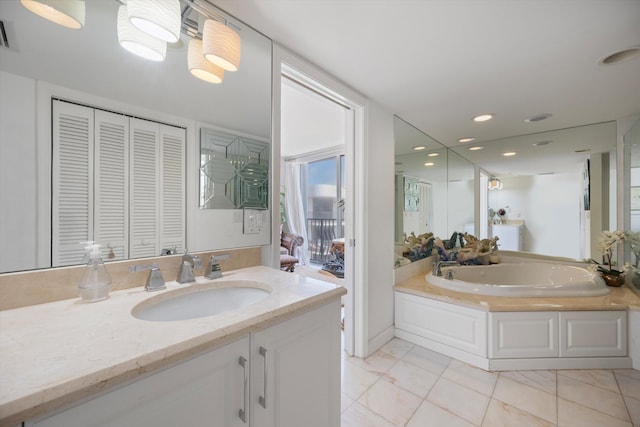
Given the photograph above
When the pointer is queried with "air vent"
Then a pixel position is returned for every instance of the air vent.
(3, 36)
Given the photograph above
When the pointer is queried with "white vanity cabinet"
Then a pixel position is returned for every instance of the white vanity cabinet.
(295, 371)
(293, 381)
(205, 390)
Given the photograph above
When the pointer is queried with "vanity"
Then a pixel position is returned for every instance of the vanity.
(274, 362)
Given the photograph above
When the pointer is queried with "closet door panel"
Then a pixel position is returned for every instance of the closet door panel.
(172, 198)
(72, 181)
(111, 203)
(144, 174)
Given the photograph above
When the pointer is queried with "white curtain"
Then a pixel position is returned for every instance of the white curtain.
(294, 208)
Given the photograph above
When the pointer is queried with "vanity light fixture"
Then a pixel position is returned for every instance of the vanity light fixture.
(509, 154)
(429, 164)
(138, 42)
(68, 13)
(199, 66)
(494, 183)
(221, 45)
(464, 140)
(158, 18)
(483, 117)
(475, 148)
(433, 154)
(419, 148)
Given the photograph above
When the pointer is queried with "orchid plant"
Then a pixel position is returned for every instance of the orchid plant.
(608, 240)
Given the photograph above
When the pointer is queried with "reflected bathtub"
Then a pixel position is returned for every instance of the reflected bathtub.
(521, 280)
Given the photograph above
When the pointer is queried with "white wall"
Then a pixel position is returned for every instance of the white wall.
(549, 205)
(18, 173)
(380, 225)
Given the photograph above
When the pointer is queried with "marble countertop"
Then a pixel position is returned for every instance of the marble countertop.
(56, 353)
(619, 299)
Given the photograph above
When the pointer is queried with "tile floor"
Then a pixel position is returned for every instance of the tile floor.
(406, 385)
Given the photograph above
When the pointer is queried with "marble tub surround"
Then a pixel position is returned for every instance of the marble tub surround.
(619, 299)
(26, 288)
(82, 349)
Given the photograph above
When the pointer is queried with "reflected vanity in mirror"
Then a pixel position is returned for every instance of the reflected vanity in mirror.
(88, 67)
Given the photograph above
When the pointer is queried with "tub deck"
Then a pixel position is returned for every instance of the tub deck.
(619, 299)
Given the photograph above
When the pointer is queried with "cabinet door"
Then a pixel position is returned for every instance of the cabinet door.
(295, 374)
(208, 390)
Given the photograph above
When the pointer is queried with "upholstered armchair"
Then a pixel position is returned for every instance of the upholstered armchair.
(288, 243)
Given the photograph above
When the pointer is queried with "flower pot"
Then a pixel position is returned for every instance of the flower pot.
(615, 280)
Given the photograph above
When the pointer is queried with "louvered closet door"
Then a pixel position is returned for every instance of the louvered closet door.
(172, 199)
(111, 202)
(72, 182)
(145, 197)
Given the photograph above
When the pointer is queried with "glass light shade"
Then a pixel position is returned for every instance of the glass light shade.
(138, 42)
(158, 18)
(199, 66)
(68, 13)
(221, 45)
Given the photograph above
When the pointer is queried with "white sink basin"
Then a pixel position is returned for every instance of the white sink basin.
(195, 301)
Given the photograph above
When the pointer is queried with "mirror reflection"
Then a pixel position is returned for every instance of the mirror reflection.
(45, 61)
(434, 189)
(555, 195)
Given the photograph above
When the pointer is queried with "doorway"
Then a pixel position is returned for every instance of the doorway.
(318, 145)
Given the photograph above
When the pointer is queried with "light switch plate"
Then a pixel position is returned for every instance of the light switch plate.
(254, 220)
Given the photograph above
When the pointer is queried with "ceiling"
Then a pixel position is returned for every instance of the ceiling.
(439, 63)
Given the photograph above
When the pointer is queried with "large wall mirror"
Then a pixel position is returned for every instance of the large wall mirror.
(434, 187)
(89, 67)
(558, 192)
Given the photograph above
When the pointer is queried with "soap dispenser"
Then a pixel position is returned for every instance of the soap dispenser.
(96, 282)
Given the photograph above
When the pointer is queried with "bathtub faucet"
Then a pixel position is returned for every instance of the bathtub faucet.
(437, 271)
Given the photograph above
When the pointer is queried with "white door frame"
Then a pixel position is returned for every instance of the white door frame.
(356, 341)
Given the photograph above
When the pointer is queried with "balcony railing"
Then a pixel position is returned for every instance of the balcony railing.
(320, 233)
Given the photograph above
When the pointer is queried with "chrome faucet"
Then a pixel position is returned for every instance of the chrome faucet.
(189, 263)
(155, 280)
(213, 270)
(437, 271)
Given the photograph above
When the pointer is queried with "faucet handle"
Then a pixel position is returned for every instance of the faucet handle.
(213, 270)
(155, 280)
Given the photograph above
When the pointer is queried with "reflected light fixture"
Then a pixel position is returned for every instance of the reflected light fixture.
(68, 13)
(199, 66)
(483, 117)
(463, 140)
(221, 45)
(494, 183)
(158, 18)
(419, 148)
(138, 42)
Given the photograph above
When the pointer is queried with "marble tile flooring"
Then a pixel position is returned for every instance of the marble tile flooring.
(406, 385)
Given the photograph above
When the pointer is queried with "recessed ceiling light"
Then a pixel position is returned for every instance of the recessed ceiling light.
(475, 148)
(582, 150)
(419, 148)
(621, 56)
(429, 164)
(541, 143)
(483, 117)
(433, 154)
(463, 140)
(537, 118)
(509, 153)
